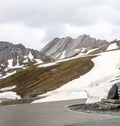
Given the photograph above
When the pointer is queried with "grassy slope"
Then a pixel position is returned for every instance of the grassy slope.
(34, 80)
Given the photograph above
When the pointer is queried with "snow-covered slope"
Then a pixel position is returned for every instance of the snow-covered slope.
(93, 85)
(39, 79)
(89, 75)
(113, 45)
(15, 57)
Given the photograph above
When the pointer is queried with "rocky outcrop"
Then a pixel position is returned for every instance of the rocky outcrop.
(113, 93)
(66, 47)
(13, 57)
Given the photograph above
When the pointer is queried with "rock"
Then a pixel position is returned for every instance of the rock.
(113, 93)
(108, 106)
(66, 47)
(113, 101)
(13, 57)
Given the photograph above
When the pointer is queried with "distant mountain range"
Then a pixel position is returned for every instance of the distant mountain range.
(60, 48)
(66, 47)
(14, 57)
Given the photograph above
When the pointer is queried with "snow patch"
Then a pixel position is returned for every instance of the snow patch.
(31, 57)
(10, 63)
(58, 55)
(62, 55)
(48, 64)
(92, 50)
(112, 46)
(83, 50)
(9, 95)
(17, 61)
(2, 65)
(25, 60)
(77, 50)
(38, 61)
(63, 95)
(8, 88)
(7, 75)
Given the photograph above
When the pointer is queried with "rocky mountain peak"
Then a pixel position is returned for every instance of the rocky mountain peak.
(65, 47)
(14, 57)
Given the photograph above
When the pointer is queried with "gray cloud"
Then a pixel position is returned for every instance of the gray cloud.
(53, 15)
(38, 13)
(42, 12)
(54, 31)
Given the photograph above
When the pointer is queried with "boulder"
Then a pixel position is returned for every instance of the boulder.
(113, 93)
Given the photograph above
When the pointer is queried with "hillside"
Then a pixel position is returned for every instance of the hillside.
(95, 84)
(39, 79)
(15, 57)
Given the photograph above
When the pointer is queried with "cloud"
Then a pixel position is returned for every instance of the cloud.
(18, 33)
(57, 18)
(38, 13)
(53, 31)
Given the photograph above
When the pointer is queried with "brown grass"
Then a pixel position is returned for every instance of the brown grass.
(34, 80)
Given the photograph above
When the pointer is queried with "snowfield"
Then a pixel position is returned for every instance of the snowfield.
(112, 46)
(48, 64)
(7, 75)
(93, 85)
(8, 88)
(6, 93)
(9, 95)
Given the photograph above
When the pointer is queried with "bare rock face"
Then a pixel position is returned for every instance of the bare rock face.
(66, 47)
(113, 93)
(14, 57)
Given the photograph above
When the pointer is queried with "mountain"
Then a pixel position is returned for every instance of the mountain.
(66, 47)
(38, 79)
(15, 57)
(89, 76)
(83, 75)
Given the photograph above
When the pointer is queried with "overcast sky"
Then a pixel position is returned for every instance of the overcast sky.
(36, 22)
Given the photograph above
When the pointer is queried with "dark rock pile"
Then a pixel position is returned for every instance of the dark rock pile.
(103, 107)
(108, 104)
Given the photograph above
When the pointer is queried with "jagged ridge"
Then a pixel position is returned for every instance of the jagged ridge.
(66, 47)
(13, 57)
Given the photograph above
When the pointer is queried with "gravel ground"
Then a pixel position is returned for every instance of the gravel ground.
(92, 108)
